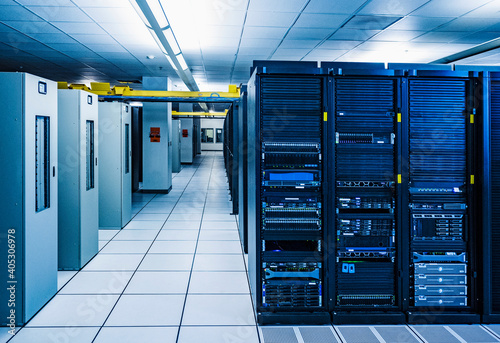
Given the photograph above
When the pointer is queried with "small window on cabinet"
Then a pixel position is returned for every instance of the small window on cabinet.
(219, 137)
(90, 155)
(42, 163)
(127, 148)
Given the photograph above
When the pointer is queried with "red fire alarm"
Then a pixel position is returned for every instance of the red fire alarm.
(185, 133)
(154, 134)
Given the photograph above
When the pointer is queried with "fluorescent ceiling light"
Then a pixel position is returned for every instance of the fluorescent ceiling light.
(154, 17)
(182, 62)
(172, 41)
(158, 12)
(171, 62)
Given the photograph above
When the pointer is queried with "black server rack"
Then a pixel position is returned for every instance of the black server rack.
(243, 169)
(366, 200)
(489, 100)
(438, 205)
(231, 152)
(287, 264)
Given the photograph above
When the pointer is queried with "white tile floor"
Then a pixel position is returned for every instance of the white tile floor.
(176, 273)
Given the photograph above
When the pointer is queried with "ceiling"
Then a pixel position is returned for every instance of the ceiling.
(81, 41)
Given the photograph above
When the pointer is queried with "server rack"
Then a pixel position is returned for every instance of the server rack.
(243, 169)
(29, 202)
(78, 168)
(489, 122)
(365, 195)
(115, 177)
(287, 265)
(438, 206)
(231, 143)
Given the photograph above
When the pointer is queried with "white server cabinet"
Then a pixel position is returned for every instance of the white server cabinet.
(115, 165)
(176, 145)
(78, 178)
(157, 139)
(28, 205)
(188, 149)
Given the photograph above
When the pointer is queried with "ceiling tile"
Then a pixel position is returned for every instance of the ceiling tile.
(217, 31)
(100, 3)
(116, 55)
(230, 18)
(113, 15)
(414, 23)
(80, 28)
(15, 37)
(299, 43)
(8, 3)
(478, 37)
(324, 55)
(390, 35)
(123, 28)
(98, 48)
(52, 38)
(443, 8)
(94, 39)
(303, 33)
(32, 27)
(392, 7)
(468, 24)
(380, 46)
(339, 44)
(66, 47)
(259, 43)
(370, 22)
(352, 34)
(17, 13)
(331, 21)
(270, 19)
(62, 14)
(264, 32)
(33, 47)
(5, 28)
(440, 37)
(277, 5)
(251, 51)
(52, 3)
(227, 42)
(490, 10)
(329, 6)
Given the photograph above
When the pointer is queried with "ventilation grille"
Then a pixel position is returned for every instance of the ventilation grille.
(495, 192)
(291, 109)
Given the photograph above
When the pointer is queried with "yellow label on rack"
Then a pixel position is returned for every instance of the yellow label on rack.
(472, 119)
(472, 179)
(399, 178)
(325, 116)
(399, 117)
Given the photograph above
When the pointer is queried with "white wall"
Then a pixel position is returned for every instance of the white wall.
(212, 124)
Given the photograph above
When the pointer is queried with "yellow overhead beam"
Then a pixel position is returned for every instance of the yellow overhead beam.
(106, 89)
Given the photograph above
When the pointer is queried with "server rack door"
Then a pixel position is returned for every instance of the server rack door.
(290, 272)
(89, 171)
(442, 265)
(365, 199)
(40, 207)
(126, 164)
(491, 210)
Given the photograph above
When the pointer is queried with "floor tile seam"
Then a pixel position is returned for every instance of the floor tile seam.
(194, 257)
(134, 272)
